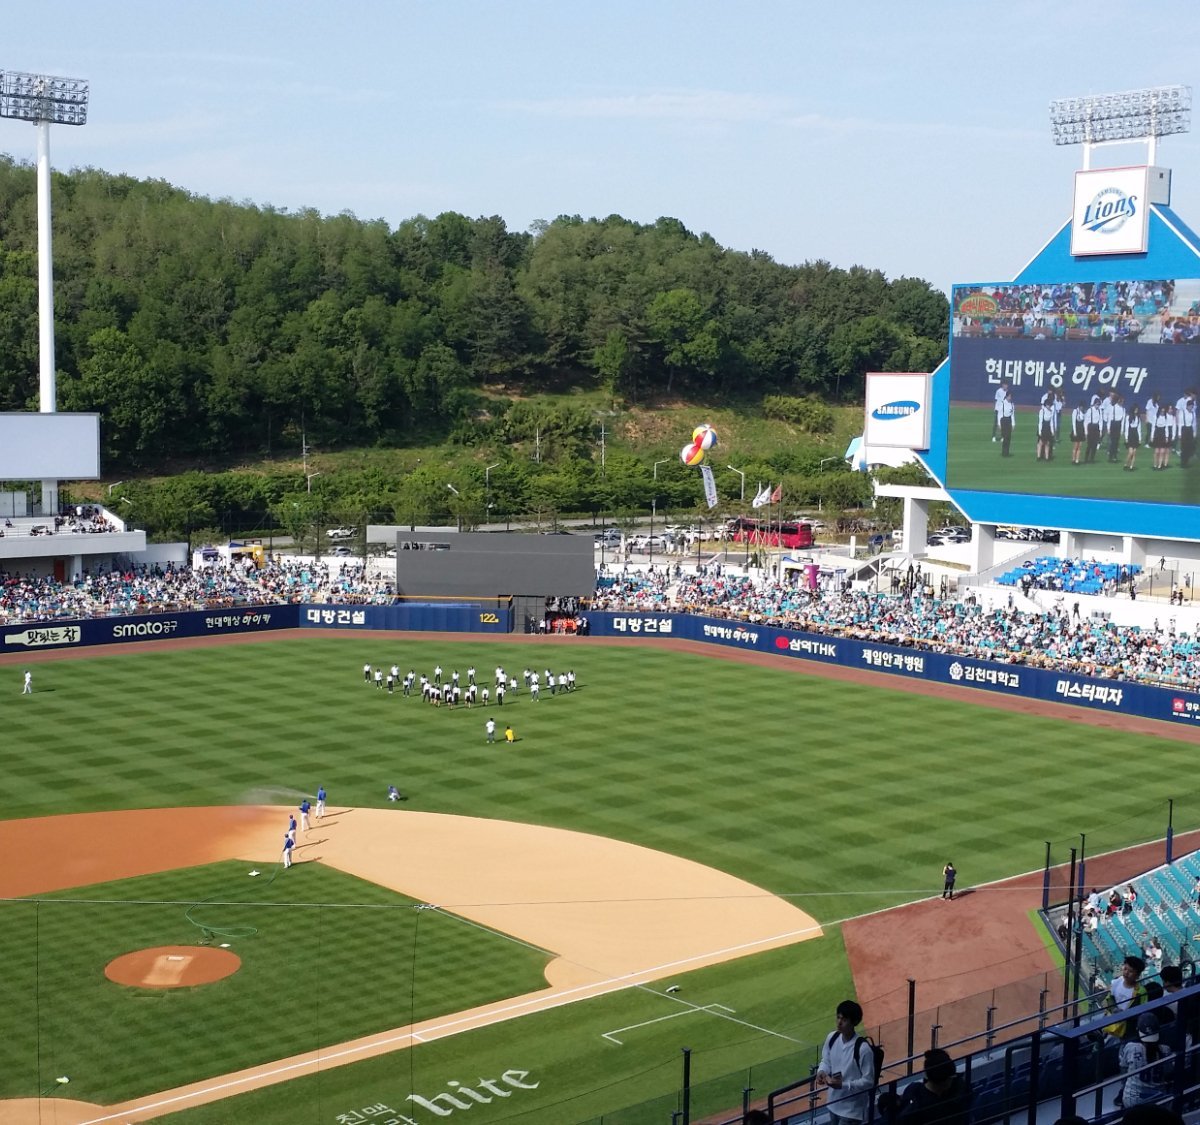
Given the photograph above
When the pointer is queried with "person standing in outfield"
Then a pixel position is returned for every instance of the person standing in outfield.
(288, 844)
(534, 688)
(437, 675)
(304, 810)
(408, 682)
(490, 727)
(396, 672)
(320, 801)
(571, 680)
(847, 1069)
(562, 682)
(485, 695)
(550, 680)
(949, 875)
(454, 677)
(391, 684)
(513, 686)
(28, 688)
(1045, 428)
(291, 828)
(366, 673)
(1006, 410)
(509, 737)
(525, 676)
(379, 678)
(500, 694)
(471, 676)
(998, 398)
(1133, 437)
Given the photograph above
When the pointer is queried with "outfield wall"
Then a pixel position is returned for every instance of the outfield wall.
(1115, 696)
(449, 617)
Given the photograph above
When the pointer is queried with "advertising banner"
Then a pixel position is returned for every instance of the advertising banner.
(1116, 696)
(151, 627)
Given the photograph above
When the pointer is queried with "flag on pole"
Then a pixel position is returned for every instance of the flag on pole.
(763, 498)
(777, 495)
(710, 485)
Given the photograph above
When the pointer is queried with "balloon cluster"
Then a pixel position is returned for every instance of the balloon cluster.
(704, 438)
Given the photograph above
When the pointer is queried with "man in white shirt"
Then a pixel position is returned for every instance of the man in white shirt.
(847, 1068)
(1185, 422)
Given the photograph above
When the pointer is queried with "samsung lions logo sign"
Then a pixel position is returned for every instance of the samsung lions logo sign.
(1109, 211)
(890, 411)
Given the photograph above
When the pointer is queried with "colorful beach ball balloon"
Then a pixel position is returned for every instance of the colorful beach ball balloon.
(704, 436)
(691, 454)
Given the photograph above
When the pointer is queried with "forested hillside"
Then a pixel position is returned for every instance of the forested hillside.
(204, 329)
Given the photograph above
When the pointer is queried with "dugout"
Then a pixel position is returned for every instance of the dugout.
(468, 564)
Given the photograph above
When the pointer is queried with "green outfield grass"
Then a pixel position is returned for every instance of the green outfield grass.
(842, 798)
(973, 461)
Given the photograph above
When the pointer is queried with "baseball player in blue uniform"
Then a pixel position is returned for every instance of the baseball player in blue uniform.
(288, 844)
(320, 801)
(292, 829)
(304, 810)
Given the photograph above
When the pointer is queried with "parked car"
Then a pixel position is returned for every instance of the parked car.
(650, 543)
(609, 537)
(342, 532)
(342, 553)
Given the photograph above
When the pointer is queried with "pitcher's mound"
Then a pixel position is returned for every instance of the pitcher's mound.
(172, 966)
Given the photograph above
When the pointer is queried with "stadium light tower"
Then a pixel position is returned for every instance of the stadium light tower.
(43, 99)
(1109, 119)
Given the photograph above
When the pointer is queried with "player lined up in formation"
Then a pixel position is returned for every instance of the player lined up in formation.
(450, 692)
(1103, 423)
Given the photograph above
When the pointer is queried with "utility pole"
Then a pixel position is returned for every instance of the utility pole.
(603, 435)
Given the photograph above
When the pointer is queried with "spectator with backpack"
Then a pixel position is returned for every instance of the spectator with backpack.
(849, 1068)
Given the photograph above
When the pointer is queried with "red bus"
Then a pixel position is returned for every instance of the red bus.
(772, 533)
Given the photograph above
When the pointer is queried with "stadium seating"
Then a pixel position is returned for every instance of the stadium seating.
(1071, 576)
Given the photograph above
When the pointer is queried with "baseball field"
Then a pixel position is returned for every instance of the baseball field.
(679, 853)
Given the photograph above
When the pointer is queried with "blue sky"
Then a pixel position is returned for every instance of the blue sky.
(907, 137)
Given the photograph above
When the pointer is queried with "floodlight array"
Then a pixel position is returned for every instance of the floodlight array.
(1130, 116)
(42, 97)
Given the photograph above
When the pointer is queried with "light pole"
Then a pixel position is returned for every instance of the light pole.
(42, 99)
(308, 479)
(487, 487)
(742, 497)
(458, 494)
(654, 504)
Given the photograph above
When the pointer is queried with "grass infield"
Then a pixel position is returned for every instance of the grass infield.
(843, 798)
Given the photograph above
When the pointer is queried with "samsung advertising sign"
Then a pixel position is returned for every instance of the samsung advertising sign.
(897, 412)
(1111, 211)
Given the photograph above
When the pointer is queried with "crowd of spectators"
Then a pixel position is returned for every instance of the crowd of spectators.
(914, 618)
(157, 589)
(1059, 639)
(1106, 310)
